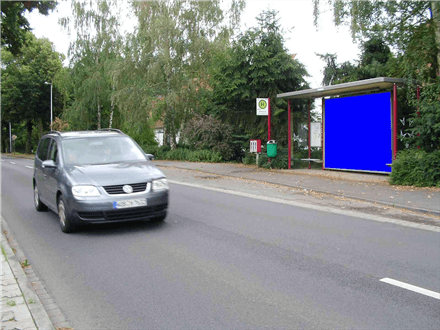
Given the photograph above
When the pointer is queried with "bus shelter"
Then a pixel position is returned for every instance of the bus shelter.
(359, 124)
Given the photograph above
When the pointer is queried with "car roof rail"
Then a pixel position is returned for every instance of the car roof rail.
(111, 130)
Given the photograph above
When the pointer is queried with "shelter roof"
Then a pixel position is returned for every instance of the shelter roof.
(354, 87)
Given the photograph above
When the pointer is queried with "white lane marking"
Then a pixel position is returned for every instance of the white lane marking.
(30, 167)
(316, 207)
(12, 163)
(410, 287)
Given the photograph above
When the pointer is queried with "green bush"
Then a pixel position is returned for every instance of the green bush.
(249, 159)
(280, 161)
(184, 154)
(415, 167)
(208, 133)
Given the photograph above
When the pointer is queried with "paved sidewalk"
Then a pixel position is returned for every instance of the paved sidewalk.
(21, 308)
(361, 186)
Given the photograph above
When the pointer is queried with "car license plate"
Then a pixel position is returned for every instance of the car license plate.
(129, 203)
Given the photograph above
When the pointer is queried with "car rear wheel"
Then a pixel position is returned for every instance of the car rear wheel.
(66, 225)
(38, 204)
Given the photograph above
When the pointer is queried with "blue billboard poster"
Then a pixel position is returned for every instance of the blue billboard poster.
(357, 133)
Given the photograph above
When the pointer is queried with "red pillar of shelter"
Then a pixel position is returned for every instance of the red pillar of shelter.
(310, 135)
(289, 137)
(322, 131)
(268, 122)
(268, 125)
(394, 121)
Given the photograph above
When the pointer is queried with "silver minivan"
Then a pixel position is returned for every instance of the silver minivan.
(100, 176)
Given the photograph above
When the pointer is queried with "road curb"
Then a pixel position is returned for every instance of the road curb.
(394, 205)
(15, 257)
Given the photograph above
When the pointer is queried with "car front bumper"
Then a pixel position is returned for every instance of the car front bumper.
(101, 210)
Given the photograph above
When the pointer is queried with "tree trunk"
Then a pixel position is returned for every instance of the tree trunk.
(435, 7)
(40, 128)
(28, 137)
(111, 118)
(99, 114)
(3, 140)
(113, 107)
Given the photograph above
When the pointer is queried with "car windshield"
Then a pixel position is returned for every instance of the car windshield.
(101, 150)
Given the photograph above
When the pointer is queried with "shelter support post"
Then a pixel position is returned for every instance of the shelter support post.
(394, 121)
(418, 98)
(289, 136)
(310, 136)
(268, 125)
(322, 132)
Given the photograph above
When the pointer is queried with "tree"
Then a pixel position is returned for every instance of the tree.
(257, 65)
(165, 75)
(396, 22)
(25, 96)
(373, 63)
(335, 73)
(14, 25)
(94, 55)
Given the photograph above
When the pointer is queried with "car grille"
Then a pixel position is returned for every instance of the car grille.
(138, 213)
(117, 189)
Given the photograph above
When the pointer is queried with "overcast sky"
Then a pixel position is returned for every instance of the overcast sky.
(295, 15)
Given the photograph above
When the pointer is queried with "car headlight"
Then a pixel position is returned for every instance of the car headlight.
(160, 184)
(85, 191)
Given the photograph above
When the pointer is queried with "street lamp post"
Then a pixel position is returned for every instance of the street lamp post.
(10, 138)
(48, 83)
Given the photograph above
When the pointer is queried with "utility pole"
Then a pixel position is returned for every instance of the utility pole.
(48, 83)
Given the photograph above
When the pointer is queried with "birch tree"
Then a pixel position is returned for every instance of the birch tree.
(166, 60)
(92, 58)
(396, 22)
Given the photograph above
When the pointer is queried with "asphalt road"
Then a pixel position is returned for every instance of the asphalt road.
(222, 261)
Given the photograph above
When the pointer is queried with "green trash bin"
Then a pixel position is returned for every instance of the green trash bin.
(272, 149)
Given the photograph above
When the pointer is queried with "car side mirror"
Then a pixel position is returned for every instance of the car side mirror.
(49, 164)
(149, 156)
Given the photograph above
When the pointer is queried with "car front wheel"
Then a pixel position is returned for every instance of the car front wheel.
(38, 204)
(66, 225)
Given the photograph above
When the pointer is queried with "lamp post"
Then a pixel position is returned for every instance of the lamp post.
(48, 83)
(10, 138)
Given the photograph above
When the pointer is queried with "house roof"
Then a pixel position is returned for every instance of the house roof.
(354, 87)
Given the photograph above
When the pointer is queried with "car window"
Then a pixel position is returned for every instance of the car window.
(53, 153)
(43, 147)
(100, 150)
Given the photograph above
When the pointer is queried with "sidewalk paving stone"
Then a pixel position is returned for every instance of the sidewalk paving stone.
(21, 307)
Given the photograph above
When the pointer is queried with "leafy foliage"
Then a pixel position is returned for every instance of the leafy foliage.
(14, 24)
(416, 167)
(373, 63)
(425, 128)
(257, 65)
(185, 154)
(164, 74)
(206, 132)
(279, 162)
(25, 96)
(94, 54)
(395, 21)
